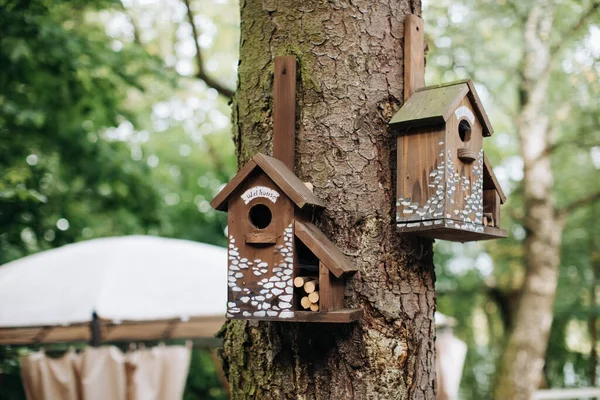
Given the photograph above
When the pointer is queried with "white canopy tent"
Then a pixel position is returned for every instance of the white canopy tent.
(140, 287)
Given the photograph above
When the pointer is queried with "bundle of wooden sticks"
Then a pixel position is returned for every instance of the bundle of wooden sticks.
(308, 286)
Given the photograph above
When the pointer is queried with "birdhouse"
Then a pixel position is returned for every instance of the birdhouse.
(281, 267)
(446, 188)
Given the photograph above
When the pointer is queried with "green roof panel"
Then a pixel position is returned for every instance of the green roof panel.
(429, 106)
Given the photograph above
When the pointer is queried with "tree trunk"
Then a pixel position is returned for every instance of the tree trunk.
(522, 362)
(349, 83)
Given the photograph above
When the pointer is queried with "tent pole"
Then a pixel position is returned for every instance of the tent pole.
(96, 334)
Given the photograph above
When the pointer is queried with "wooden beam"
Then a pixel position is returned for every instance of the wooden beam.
(95, 330)
(168, 332)
(327, 252)
(39, 338)
(414, 55)
(491, 205)
(489, 179)
(260, 238)
(284, 109)
(331, 290)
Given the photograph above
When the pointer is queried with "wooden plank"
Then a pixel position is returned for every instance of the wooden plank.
(489, 179)
(339, 316)
(283, 176)
(421, 174)
(414, 55)
(445, 231)
(327, 252)
(413, 118)
(331, 290)
(255, 270)
(284, 109)
(291, 185)
(491, 204)
(67, 333)
(140, 331)
(195, 327)
(470, 171)
(42, 334)
(488, 130)
(10, 336)
(260, 238)
(220, 200)
(342, 316)
(474, 97)
(427, 107)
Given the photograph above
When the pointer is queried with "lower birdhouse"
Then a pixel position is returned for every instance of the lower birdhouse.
(281, 267)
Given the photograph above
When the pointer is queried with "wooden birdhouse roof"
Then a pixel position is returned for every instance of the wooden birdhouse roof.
(489, 179)
(327, 252)
(279, 173)
(435, 104)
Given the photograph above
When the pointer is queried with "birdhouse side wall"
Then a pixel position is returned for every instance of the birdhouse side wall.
(420, 176)
(464, 180)
(260, 275)
(331, 290)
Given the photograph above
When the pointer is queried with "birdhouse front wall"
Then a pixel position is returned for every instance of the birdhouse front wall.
(261, 251)
(464, 179)
(440, 173)
(421, 169)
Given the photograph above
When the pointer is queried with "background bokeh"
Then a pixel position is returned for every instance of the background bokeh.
(107, 127)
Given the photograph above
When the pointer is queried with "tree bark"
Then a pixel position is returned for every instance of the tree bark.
(521, 365)
(349, 84)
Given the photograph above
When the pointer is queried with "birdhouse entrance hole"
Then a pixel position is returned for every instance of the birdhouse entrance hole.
(260, 216)
(464, 130)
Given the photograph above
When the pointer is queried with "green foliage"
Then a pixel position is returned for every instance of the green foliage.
(84, 152)
(60, 85)
(203, 382)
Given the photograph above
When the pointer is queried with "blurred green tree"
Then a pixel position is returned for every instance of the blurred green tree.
(86, 148)
(539, 76)
(61, 85)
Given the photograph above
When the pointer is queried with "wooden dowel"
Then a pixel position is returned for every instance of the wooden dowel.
(300, 281)
(311, 286)
(488, 219)
(305, 302)
(314, 307)
(313, 297)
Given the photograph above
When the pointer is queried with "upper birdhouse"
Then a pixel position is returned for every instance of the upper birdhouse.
(281, 267)
(446, 188)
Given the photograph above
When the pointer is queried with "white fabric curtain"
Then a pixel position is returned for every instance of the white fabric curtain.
(100, 373)
(450, 355)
